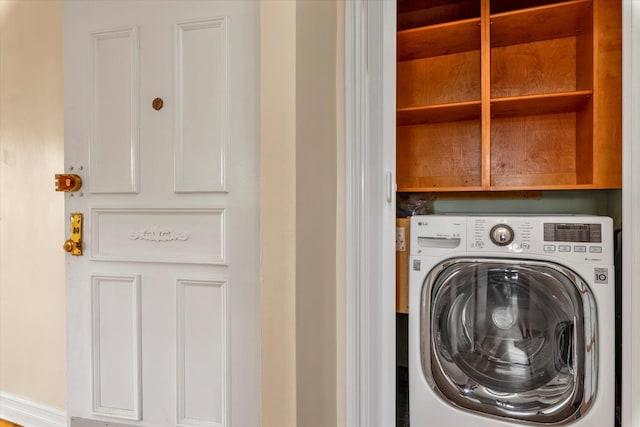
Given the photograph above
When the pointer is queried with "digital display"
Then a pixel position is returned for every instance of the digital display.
(576, 233)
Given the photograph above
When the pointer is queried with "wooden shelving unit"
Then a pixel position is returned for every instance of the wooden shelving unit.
(508, 95)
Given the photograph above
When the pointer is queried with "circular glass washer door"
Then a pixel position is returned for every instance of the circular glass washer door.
(510, 338)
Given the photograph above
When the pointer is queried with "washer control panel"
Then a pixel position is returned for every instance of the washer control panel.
(581, 239)
(585, 239)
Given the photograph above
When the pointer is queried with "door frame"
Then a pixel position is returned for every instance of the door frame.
(370, 211)
(370, 171)
(630, 213)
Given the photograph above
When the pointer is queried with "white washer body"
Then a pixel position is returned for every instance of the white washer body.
(567, 244)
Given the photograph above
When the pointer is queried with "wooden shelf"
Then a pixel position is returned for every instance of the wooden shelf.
(441, 39)
(539, 104)
(501, 6)
(500, 108)
(526, 97)
(440, 189)
(552, 187)
(422, 13)
(489, 195)
(540, 23)
(405, 6)
(438, 113)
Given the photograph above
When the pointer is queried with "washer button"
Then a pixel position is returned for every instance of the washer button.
(595, 249)
(564, 248)
(580, 248)
(501, 234)
(549, 248)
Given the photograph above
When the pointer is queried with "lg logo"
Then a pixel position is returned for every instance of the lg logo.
(601, 275)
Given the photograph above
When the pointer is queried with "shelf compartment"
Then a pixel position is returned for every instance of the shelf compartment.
(540, 23)
(539, 104)
(440, 80)
(541, 67)
(440, 39)
(421, 13)
(439, 156)
(529, 152)
(438, 113)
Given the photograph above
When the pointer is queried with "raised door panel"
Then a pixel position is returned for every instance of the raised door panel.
(113, 106)
(203, 353)
(116, 369)
(202, 105)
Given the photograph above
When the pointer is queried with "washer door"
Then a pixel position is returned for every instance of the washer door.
(510, 338)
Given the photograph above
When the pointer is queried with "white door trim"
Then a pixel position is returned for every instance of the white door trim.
(631, 214)
(369, 48)
(370, 194)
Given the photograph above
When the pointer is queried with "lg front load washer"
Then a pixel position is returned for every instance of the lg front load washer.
(511, 321)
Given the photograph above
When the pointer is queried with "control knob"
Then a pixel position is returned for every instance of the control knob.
(502, 234)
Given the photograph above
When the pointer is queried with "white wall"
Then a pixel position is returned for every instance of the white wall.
(302, 215)
(32, 338)
(278, 210)
(316, 222)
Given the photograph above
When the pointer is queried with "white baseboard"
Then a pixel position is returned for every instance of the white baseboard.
(30, 414)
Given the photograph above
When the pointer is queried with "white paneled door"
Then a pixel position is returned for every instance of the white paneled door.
(161, 125)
